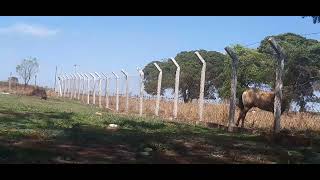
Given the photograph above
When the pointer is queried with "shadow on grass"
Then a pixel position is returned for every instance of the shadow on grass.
(15, 125)
(44, 115)
(170, 143)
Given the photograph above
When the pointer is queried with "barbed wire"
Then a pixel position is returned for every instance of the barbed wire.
(246, 45)
(305, 34)
(310, 34)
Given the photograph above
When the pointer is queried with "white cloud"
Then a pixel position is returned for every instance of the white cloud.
(28, 29)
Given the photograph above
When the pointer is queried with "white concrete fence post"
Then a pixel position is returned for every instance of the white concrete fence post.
(100, 88)
(158, 89)
(234, 67)
(60, 85)
(202, 81)
(63, 85)
(82, 86)
(75, 86)
(176, 89)
(279, 83)
(117, 91)
(88, 87)
(67, 85)
(106, 91)
(94, 89)
(141, 91)
(127, 89)
(79, 85)
(71, 85)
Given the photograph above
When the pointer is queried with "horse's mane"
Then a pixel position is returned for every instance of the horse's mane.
(256, 90)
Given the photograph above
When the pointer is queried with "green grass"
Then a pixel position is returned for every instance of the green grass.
(64, 131)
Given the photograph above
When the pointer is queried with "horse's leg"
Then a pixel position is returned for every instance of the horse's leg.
(244, 116)
(240, 117)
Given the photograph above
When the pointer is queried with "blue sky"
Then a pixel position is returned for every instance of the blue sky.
(106, 44)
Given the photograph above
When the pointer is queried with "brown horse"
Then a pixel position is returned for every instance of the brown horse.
(257, 98)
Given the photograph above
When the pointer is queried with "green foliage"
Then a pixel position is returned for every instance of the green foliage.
(189, 75)
(301, 66)
(151, 76)
(254, 69)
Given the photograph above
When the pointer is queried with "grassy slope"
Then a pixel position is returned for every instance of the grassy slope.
(57, 131)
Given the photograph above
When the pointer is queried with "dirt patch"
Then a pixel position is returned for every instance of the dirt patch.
(288, 140)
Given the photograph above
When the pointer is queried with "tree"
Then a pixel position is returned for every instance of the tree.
(151, 76)
(27, 69)
(301, 66)
(254, 70)
(316, 19)
(190, 74)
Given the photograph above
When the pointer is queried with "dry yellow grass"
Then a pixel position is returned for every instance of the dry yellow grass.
(17, 89)
(20, 89)
(218, 113)
(214, 113)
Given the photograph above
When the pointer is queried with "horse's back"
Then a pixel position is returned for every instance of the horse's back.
(257, 98)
